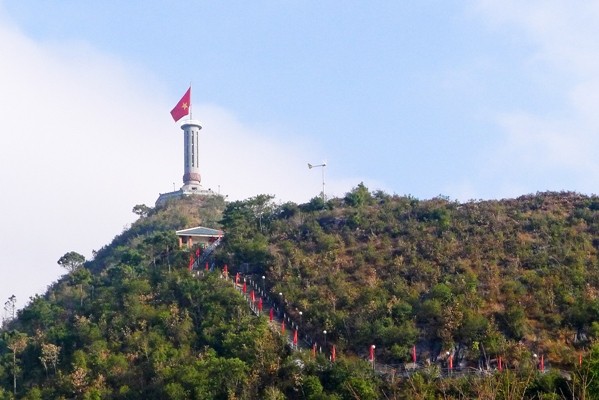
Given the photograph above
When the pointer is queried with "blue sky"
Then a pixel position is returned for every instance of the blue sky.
(472, 99)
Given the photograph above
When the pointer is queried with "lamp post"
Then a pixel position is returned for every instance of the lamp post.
(372, 347)
(310, 166)
(300, 314)
(281, 304)
(325, 338)
(263, 284)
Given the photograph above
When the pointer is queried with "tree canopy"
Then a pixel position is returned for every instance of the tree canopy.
(71, 261)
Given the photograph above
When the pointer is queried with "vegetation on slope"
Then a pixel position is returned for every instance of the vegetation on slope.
(134, 323)
(478, 280)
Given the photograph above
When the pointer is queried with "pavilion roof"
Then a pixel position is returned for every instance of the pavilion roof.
(201, 231)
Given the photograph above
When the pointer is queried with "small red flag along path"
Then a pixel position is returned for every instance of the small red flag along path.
(314, 350)
(450, 362)
(414, 354)
(245, 287)
(272, 314)
(191, 261)
(295, 338)
(182, 107)
(253, 296)
(333, 354)
(542, 363)
(260, 304)
(372, 347)
(226, 271)
(500, 366)
(206, 265)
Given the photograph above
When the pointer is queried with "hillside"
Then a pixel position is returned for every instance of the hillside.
(397, 271)
(477, 280)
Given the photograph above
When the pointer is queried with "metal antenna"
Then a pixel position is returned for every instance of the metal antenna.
(324, 164)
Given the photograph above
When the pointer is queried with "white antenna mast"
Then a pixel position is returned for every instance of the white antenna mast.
(324, 164)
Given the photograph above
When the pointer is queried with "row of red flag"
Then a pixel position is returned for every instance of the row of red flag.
(500, 363)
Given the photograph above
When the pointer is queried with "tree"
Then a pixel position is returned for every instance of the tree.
(315, 204)
(247, 223)
(81, 277)
(160, 244)
(71, 261)
(49, 356)
(15, 342)
(359, 196)
(11, 306)
(142, 210)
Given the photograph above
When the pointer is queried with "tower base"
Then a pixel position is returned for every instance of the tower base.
(186, 190)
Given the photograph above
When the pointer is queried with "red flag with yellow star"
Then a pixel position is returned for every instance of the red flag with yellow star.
(182, 107)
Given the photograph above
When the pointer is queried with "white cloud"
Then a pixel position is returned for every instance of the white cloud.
(555, 150)
(563, 31)
(67, 133)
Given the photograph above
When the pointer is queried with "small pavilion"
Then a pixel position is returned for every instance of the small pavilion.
(199, 235)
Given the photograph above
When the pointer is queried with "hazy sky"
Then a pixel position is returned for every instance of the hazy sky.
(468, 99)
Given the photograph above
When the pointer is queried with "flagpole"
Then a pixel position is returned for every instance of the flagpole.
(190, 102)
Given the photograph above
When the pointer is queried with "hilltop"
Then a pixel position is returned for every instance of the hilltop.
(477, 280)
